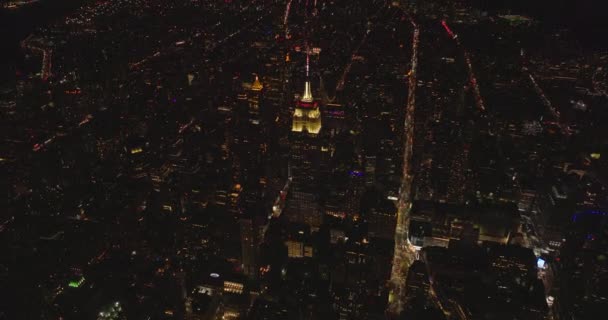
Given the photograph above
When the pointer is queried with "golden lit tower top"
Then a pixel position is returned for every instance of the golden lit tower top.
(306, 116)
(307, 97)
(257, 85)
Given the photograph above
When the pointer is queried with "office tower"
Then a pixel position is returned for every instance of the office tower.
(305, 159)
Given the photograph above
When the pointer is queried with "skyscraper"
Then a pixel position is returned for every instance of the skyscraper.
(249, 245)
(248, 136)
(305, 158)
(254, 101)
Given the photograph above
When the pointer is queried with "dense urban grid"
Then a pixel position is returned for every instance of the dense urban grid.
(303, 159)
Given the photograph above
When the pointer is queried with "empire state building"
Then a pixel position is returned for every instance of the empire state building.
(305, 159)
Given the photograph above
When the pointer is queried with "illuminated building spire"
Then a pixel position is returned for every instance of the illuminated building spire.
(307, 97)
(257, 85)
(307, 92)
(306, 116)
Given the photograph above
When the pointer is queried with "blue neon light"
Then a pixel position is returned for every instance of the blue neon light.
(589, 212)
(356, 173)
